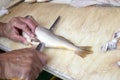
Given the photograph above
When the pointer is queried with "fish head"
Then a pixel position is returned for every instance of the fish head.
(31, 40)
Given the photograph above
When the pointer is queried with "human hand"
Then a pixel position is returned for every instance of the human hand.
(17, 25)
(24, 64)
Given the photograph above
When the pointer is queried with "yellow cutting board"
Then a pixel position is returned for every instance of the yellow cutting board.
(91, 26)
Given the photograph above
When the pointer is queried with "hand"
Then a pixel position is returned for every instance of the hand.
(25, 64)
(16, 25)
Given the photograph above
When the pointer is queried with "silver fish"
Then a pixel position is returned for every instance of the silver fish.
(54, 41)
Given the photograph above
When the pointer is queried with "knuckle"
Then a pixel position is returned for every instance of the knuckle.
(29, 20)
(24, 26)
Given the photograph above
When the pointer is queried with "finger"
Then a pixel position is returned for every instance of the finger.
(20, 39)
(43, 58)
(17, 37)
(23, 26)
(32, 24)
(36, 70)
(35, 22)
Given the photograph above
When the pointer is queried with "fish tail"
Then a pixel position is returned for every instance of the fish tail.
(83, 51)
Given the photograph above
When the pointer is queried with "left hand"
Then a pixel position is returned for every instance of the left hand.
(15, 25)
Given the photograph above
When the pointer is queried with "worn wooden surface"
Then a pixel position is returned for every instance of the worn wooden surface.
(91, 26)
(12, 3)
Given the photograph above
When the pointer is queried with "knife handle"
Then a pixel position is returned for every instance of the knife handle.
(40, 47)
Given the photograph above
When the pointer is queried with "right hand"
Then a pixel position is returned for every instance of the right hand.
(24, 64)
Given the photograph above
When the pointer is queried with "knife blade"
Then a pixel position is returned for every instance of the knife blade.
(54, 24)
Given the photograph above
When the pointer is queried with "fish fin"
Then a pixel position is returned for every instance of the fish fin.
(83, 51)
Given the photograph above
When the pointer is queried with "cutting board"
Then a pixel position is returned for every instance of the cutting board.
(12, 3)
(91, 26)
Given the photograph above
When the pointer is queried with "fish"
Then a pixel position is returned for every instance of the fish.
(52, 40)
